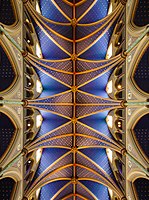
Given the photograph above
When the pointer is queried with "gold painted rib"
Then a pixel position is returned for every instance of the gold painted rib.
(100, 147)
(104, 181)
(72, 195)
(99, 61)
(98, 97)
(93, 113)
(74, 101)
(51, 68)
(113, 65)
(117, 191)
(80, 3)
(94, 104)
(28, 4)
(44, 109)
(30, 191)
(46, 60)
(68, 2)
(87, 190)
(99, 133)
(96, 40)
(52, 96)
(63, 83)
(52, 138)
(60, 190)
(47, 147)
(100, 28)
(48, 168)
(100, 168)
(50, 132)
(85, 13)
(42, 182)
(48, 35)
(52, 104)
(44, 24)
(60, 10)
(103, 19)
(99, 140)
(97, 68)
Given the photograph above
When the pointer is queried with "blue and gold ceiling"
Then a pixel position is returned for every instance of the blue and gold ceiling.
(74, 43)
(74, 140)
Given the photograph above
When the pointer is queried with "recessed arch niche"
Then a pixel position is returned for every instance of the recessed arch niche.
(7, 188)
(141, 14)
(8, 73)
(141, 72)
(141, 188)
(7, 134)
(141, 134)
(8, 13)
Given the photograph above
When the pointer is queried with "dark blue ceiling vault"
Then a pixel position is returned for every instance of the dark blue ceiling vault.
(74, 136)
(141, 133)
(142, 72)
(7, 73)
(7, 134)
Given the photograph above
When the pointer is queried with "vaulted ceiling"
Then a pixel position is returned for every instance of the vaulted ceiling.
(74, 163)
(68, 156)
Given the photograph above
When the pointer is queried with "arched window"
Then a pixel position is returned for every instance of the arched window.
(29, 112)
(118, 164)
(7, 73)
(29, 94)
(142, 73)
(29, 176)
(141, 186)
(7, 188)
(29, 123)
(29, 82)
(29, 135)
(118, 136)
(141, 133)
(119, 112)
(119, 95)
(29, 70)
(118, 83)
(7, 133)
(119, 124)
(29, 164)
(118, 71)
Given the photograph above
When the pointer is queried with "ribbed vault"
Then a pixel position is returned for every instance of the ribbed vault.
(74, 37)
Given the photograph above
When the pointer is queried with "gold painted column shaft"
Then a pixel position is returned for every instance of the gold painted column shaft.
(74, 98)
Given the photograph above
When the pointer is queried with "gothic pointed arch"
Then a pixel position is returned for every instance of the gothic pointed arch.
(7, 134)
(141, 134)
(7, 6)
(7, 188)
(8, 73)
